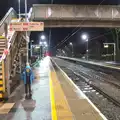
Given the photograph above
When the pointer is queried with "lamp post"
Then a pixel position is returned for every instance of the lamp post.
(40, 49)
(26, 34)
(50, 31)
(42, 43)
(19, 8)
(42, 37)
(71, 44)
(85, 37)
(31, 47)
(106, 46)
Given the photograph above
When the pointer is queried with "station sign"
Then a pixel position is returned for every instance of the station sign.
(26, 26)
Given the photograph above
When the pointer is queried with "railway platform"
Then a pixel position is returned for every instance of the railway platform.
(54, 97)
(104, 64)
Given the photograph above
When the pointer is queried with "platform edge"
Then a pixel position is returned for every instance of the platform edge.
(52, 99)
(104, 118)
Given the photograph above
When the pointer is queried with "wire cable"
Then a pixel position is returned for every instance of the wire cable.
(72, 34)
(100, 35)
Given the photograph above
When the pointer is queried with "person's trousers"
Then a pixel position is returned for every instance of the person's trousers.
(28, 88)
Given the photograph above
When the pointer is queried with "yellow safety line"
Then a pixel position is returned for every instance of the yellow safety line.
(1, 88)
(3, 74)
(1, 82)
(2, 37)
(1, 95)
(52, 99)
(59, 104)
(112, 67)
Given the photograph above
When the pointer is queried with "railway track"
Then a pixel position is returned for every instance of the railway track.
(87, 86)
(104, 78)
(98, 87)
(90, 83)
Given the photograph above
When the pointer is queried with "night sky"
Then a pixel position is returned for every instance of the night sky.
(58, 34)
(6, 4)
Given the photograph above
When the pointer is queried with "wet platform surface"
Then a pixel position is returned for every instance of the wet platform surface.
(37, 108)
(54, 97)
(79, 106)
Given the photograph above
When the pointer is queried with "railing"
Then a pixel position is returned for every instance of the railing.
(30, 14)
(6, 20)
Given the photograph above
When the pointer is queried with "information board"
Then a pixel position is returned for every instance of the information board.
(26, 26)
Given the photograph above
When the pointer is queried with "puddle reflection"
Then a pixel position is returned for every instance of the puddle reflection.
(29, 106)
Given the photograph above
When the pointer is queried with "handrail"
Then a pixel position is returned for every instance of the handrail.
(30, 13)
(8, 44)
(6, 20)
(6, 15)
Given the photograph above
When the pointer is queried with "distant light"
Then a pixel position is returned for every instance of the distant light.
(43, 37)
(85, 37)
(70, 43)
(106, 46)
(37, 47)
(45, 43)
(40, 43)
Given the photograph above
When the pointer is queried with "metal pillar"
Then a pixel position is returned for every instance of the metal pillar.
(19, 8)
(31, 49)
(71, 44)
(114, 52)
(49, 38)
(26, 34)
(87, 49)
(72, 51)
(50, 31)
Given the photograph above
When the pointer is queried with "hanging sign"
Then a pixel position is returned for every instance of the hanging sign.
(26, 26)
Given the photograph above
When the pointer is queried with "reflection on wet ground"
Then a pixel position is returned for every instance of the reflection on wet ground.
(38, 107)
(29, 106)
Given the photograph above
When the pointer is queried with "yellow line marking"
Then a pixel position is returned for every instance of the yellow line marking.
(52, 99)
(3, 73)
(6, 108)
(14, 18)
(1, 95)
(2, 37)
(60, 107)
(1, 82)
(112, 67)
(1, 88)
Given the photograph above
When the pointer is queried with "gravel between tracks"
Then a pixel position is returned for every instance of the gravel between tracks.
(96, 78)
